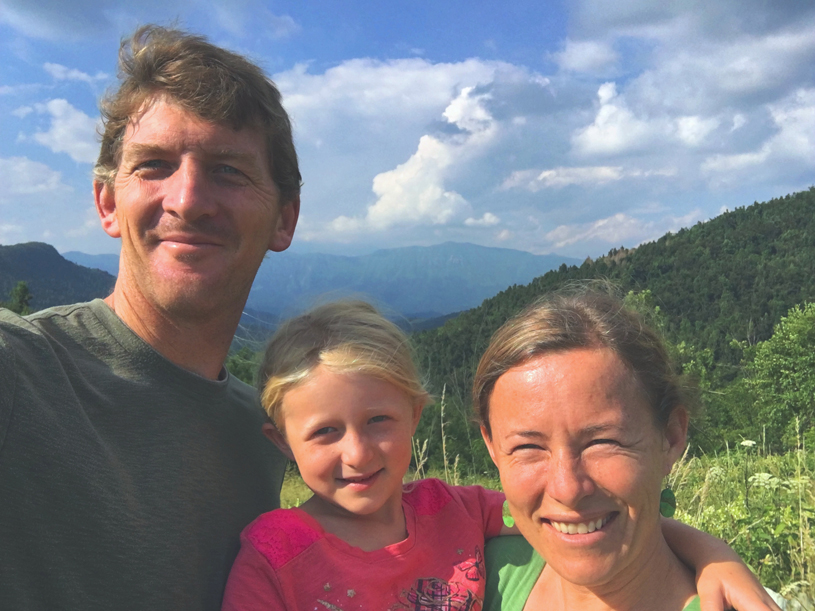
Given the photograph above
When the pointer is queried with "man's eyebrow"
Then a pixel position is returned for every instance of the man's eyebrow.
(138, 149)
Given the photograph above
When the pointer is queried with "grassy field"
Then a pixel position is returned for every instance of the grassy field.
(762, 505)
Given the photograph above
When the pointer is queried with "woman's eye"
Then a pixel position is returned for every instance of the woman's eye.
(527, 447)
(600, 442)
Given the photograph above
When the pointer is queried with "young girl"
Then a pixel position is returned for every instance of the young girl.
(344, 398)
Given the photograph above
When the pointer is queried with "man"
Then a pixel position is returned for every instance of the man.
(129, 459)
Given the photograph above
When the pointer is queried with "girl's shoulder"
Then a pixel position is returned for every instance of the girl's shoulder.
(430, 496)
(282, 535)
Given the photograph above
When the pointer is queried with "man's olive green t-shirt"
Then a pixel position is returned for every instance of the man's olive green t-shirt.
(125, 480)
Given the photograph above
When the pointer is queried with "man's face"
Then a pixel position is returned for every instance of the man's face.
(196, 208)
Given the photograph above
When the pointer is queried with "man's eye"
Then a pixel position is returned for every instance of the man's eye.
(227, 169)
(152, 164)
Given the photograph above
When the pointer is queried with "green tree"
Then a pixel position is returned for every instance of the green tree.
(19, 299)
(243, 364)
(782, 377)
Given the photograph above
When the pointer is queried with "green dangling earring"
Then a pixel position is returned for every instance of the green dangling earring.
(508, 519)
(667, 503)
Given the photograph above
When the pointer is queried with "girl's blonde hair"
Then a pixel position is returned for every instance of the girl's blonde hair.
(344, 337)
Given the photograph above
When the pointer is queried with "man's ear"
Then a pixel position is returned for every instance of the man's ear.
(106, 208)
(286, 222)
(676, 436)
(488, 443)
(277, 438)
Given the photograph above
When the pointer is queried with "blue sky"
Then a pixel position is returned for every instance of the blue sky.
(569, 127)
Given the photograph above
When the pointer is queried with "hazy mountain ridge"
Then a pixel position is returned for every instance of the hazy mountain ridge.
(52, 279)
(415, 281)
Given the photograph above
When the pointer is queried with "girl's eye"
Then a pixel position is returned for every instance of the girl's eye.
(324, 431)
(381, 418)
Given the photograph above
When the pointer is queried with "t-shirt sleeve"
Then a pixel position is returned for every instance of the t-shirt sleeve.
(252, 584)
(484, 506)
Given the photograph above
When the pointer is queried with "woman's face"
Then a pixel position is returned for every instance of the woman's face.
(582, 461)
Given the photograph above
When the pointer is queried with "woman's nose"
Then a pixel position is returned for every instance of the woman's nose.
(568, 481)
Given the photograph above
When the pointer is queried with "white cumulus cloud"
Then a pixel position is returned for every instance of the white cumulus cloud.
(22, 176)
(618, 229)
(590, 56)
(487, 220)
(414, 192)
(556, 178)
(71, 131)
(615, 128)
(62, 73)
(791, 147)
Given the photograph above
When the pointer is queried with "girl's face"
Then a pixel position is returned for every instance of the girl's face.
(350, 434)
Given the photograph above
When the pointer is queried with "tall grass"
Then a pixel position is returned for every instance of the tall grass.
(762, 505)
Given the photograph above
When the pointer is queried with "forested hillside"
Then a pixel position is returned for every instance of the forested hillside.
(717, 289)
(51, 279)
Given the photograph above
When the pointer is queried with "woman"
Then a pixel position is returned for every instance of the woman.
(584, 416)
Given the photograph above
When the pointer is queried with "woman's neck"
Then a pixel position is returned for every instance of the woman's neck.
(660, 576)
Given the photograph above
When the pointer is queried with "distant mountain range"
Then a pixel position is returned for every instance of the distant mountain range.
(418, 282)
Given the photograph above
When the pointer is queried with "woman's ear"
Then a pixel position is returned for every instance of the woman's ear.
(278, 438)
(676, 436)
(488, 442)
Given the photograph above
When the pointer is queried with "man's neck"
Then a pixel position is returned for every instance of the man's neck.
(200, 346)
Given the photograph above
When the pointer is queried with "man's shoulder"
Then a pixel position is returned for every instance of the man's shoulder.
(39, 321)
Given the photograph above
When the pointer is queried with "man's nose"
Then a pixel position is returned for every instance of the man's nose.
(568, 481)
(187, 194)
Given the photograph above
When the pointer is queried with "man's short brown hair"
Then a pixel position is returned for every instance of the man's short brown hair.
(212, 83)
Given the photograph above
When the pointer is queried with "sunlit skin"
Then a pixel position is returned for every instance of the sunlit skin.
(579, 451)
(350, 434)
(196, 208)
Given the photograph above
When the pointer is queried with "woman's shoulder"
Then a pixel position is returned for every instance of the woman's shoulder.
(513, 568)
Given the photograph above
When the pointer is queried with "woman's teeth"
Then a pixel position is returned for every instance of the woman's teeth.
(571, 528)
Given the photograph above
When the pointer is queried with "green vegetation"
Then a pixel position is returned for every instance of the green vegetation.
(19, 299)
(715, 290)
(762, 504)
(51, 279)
